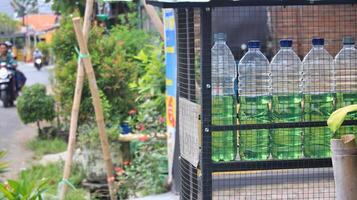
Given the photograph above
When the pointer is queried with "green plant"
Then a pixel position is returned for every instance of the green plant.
(24, 189)
(7, 24)
(89, 136)
(336, 119)
(42, 147)
(147, 172)
(130, 18)
(53, 173)
(3, 165)
(67, 6)
(78, 194)
(114, 64)
(151, 85)
(34, 105)
(150, 88)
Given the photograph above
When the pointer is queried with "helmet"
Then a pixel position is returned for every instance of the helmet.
(3, 43)
(8, 44)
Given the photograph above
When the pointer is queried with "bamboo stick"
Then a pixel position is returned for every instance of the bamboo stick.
(76, 104)
(155, 19)
(97, 105)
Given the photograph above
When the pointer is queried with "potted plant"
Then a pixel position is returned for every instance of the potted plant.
(344, 156)
(91, 152)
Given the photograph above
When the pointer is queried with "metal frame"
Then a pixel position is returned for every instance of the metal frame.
(272, 164)
(278, 125)
(224, 3)
(207, 167)
(206, 151)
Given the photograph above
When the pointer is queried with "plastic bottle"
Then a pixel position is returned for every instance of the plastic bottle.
(224, 112)
(254, 90)
(318, 89)
(286, 105)
(346, 80)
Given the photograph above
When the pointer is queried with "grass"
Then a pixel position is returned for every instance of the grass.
(53, 173)
(42, 147)
(78, 194)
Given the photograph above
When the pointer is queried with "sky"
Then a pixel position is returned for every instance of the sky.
(5, 7)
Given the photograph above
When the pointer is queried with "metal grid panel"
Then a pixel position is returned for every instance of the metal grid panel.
(188, 90)
(279, 184)
(259, 132)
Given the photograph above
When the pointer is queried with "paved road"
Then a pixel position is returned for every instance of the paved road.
(14, 134)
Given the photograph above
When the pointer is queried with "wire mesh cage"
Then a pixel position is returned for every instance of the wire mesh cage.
(257, 81)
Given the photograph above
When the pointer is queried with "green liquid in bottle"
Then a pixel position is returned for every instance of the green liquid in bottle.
(317, 107)
(224, 143)
(346, 99)
(254, 144)
(286, 143)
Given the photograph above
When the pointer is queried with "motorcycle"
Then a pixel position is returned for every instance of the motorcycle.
(38, 63)
(6, 86)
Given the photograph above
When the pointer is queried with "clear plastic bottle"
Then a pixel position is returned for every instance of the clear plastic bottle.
(224, 112)
(254, 90)
(286, 105)
(346, 80)
(318, 89)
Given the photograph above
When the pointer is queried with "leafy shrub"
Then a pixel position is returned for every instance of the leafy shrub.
(147, 172)
(150, 88)
(114, 64)
(34, 105)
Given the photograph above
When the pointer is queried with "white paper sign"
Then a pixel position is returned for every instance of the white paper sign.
(189, 130)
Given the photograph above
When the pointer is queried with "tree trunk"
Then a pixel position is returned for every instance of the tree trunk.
(39, 127)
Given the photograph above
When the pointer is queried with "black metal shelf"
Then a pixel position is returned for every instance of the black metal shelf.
(271, 164)
(278, 125)
(225, 3)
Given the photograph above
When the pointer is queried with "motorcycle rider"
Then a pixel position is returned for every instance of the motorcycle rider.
(6, 56)
(9, 47)
(37, 58)
(10, 63)
(37, 54)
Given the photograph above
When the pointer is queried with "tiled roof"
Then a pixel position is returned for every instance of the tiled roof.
(41, 22)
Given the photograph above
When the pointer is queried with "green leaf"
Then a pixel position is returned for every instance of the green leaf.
(6, 192)
(336, 119)
(142, 56)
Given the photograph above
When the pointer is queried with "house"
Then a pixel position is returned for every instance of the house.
(41, 25)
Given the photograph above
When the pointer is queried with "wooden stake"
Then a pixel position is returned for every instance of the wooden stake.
(97, 105)
(155, 19)
(76, 104)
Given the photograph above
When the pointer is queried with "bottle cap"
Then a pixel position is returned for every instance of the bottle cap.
(286, 43)
(254, 44)
(220, 37)
(318, 41)
(348, 40)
